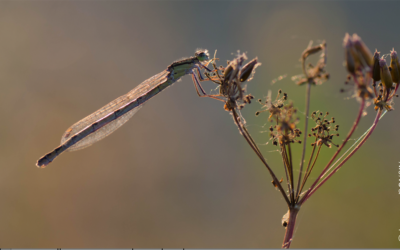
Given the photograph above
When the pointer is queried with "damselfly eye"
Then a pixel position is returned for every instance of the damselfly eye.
(202, 55)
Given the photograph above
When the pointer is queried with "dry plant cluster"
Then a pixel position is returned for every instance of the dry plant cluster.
(373, 80)
(374, 83)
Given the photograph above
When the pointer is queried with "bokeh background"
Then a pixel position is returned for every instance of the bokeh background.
(179, 174)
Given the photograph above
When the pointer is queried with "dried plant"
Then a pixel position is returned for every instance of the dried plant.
(374, 83)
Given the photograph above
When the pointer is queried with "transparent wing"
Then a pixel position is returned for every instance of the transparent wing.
(104, 131)
(108, 110)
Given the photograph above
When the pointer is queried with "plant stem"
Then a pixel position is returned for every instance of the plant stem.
(307, 174)
(286, 165)
(303, 154)
(348, 157)
(293, 211)
(243, 131)
(291, 174)
(305, 197)
(308, 167)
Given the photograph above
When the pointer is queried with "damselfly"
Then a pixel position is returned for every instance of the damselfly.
(113, 115)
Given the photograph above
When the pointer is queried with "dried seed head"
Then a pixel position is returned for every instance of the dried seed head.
(394, 64)
(386, 78)
(314, 74)
(248, 70)
(376, 75)
(358, 56)
(230, 84)
(286, 131)
(350, 61)
(311, 51)
(323, 130)
(228, 71)
(363, 50)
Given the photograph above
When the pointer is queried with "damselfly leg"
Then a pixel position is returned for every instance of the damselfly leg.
(197, 85)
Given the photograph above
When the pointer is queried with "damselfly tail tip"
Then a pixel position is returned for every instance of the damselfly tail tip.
(42, 162)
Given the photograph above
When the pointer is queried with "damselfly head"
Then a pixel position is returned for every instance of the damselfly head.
(202, 55)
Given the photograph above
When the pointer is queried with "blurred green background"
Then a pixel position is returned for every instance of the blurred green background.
(179, 174)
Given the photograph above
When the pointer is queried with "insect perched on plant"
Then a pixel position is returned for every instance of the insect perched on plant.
(113, 115)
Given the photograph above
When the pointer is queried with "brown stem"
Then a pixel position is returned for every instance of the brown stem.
(312, 166)
(305, 131)
(338, 151)
(291, 174)
(308, 94)
(286, 165)
(293, 211)
(308, 172)
(250, 141)
(308, 167)
(351, 154)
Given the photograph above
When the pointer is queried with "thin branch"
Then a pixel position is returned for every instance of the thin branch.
(305, 130)
(249, 139)
(308, 167)
(286, 164)
(312, 166)
(312, 189)
(338, 151)
(291, 173)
